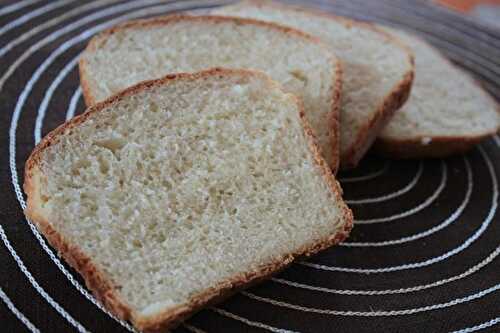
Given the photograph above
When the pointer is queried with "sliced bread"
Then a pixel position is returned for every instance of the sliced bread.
(377, 69)
(447, 113)
(148, 49)
(177, 192)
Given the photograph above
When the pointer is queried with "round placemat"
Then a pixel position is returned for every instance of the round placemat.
(423, 256)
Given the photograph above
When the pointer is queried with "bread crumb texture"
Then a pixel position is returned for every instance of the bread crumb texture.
(444, 102)
(373, 65)
(156, 47)
(178, 187)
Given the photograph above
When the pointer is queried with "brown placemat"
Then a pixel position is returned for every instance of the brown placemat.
(422, 257)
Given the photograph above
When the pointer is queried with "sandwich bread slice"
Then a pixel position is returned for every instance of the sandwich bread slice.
(377, 69)
(177, 192)
(148, 49)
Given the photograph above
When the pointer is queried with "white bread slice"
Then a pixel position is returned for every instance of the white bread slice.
(377, 69)
(149, 49)
(177, 192)
(447, 113)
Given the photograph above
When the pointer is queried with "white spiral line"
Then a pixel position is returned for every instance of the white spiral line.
(74, 95)
(394, 194)
(19, 262)
(369, 176)
(380, 313)
(18, 313)
(70, 27)
(70, 113)
(433, 260)
(453, 217)
(250, 322)
(16, 6)
(479, 327)
(427, 202)
(42, 109)
(468, 272)
(193, 329)
(53, 22)
(31, 15)
(35, 284)
(15, 119)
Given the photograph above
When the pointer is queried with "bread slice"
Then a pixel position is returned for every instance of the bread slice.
(447, 113)
(377, 69)
(179, 191)
(148, 49)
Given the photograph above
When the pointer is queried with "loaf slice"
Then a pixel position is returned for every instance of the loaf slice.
(377, 69)
(151, 48)
(447, 113)
(179, 191)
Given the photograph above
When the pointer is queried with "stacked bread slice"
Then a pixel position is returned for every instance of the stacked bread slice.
(149, 49)
(184, 182)
(377, 69)
(179, 191)
(448, 112)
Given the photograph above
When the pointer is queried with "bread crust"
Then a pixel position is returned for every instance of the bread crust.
(102, 286)
(438, 146)
(368, 135)
(389, 104)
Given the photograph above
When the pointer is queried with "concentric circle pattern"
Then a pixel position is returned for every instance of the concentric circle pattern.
(423, 256)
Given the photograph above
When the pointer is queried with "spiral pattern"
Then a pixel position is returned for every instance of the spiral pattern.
(422, 257)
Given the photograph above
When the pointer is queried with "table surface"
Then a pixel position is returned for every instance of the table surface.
(423, 256)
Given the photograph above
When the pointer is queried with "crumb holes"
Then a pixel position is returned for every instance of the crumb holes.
(161, 238)
(44, 199)
(112, 144)
(166, 184)
(153, 107)
(103, 165)
(299, 75)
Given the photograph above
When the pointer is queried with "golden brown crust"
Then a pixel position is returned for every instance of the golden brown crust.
(367, 136)
(85, 83)
(102, 287)
(389, 105)
(438, 147)
(335, 118)
(170, 19)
